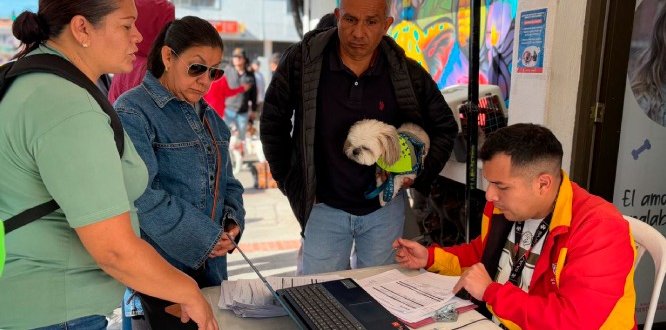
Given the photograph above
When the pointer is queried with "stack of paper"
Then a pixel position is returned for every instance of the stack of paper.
(412, 299)
(251, 298)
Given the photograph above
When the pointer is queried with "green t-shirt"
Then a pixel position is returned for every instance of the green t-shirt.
(56, 143)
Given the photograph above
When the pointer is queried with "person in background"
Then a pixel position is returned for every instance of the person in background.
(193, 204)
(332, 79)
(64, 270)
(238, 108)
(550, 254)
(219, 92)
(327, 21)
(153, 15)
(273, 63)
(261, 85)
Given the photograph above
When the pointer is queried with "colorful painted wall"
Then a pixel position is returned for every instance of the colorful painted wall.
(436, 34)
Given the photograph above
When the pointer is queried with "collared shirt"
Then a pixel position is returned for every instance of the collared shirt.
(343, 99)
(525, 244)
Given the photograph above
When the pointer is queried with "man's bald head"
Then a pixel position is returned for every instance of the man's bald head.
(387, 5)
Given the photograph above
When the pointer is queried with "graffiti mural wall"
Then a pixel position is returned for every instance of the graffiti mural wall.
(436, 34)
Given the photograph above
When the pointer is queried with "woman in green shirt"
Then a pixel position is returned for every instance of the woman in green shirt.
(56, 143)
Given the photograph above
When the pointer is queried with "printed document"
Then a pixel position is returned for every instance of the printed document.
(411, 299)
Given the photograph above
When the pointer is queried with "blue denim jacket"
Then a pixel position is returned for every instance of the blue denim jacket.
(175, 210)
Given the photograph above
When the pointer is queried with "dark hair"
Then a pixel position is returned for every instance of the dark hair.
(238, 51)
(180, 35)
(526, 144)
(327, 21)
(52, 17)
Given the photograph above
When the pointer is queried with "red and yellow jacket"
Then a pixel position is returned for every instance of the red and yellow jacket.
(583, 279)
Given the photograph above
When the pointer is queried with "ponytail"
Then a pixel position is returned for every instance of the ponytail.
(31, 30)
(155, 64)
(52, 17)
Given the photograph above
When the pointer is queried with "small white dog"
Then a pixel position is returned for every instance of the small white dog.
(400, 152)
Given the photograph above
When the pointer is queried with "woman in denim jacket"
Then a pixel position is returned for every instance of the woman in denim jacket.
(192, 197)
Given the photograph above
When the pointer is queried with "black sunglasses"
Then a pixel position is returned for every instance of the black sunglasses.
(197, 69)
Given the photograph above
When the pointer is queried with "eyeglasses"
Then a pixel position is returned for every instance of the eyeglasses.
(197, 69)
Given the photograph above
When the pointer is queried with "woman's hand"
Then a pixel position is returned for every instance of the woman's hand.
(200, 312)
(120, 253)
(224, 245)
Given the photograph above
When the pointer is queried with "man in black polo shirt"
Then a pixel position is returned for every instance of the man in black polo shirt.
(332, 79)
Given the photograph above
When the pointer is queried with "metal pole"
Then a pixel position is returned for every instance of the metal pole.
(472, 113)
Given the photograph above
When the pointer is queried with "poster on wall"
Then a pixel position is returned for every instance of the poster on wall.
(436, 34)
(640, 183)
(531, 41)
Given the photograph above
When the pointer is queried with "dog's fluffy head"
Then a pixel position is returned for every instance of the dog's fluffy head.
(370, 139)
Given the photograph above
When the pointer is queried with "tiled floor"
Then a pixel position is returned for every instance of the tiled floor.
(272, 235)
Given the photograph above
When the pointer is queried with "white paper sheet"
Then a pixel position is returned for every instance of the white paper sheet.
(411, 299)
(251, 298)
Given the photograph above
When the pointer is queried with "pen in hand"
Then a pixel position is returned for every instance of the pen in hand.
(231, 238)
(222, 247)
(410, 254)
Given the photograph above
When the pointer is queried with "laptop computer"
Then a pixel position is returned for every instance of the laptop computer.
(337, 304)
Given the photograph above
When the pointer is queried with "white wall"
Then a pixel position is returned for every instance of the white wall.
(550, 98)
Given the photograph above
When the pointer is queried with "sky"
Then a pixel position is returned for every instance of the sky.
(17, 6)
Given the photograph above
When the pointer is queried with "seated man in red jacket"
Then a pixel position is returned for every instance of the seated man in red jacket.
(550, 254)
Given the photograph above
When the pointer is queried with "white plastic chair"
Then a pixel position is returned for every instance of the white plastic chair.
(650, 239)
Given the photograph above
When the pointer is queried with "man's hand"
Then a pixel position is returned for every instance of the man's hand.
(475, 280)
(224, 244)
(410, 254)
(382, 175)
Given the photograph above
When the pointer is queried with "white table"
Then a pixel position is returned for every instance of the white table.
(227, 320)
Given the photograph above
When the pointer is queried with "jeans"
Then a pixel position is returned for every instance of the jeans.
(92, 322)
(330, 234)
(238, 119)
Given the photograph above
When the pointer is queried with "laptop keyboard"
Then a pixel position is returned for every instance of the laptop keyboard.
(322, 309)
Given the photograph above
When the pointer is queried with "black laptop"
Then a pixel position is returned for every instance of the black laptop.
(337, 304)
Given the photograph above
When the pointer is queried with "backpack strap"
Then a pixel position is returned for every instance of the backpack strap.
(59, 66)
(30, 215)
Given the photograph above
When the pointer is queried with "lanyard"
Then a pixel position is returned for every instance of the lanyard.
(519, 264)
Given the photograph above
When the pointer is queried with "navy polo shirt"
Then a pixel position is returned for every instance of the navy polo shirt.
(342, 100)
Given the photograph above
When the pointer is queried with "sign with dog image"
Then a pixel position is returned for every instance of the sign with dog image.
(531, 41)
